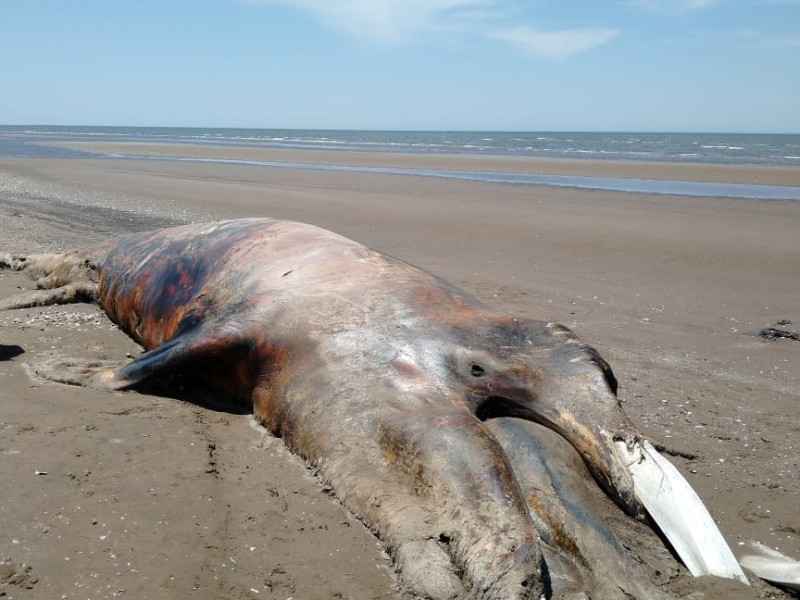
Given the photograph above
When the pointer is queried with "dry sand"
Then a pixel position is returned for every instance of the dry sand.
(144, 497)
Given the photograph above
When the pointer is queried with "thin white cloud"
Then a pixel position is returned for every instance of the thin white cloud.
(674, 6)
(554, 45)
(388, 21)
(395, 21)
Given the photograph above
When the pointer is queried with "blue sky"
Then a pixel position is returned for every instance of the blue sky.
(536, 65)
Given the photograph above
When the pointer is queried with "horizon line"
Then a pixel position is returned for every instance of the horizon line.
(389, 130)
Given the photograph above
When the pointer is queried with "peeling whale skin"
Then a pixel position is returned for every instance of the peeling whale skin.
(487, 451)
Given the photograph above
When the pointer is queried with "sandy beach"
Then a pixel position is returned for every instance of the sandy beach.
(462, 162)
(134, 496)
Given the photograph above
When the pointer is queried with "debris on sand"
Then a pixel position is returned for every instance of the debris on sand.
(771, 333)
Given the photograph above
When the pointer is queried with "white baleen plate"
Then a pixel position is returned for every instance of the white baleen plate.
(679, 513)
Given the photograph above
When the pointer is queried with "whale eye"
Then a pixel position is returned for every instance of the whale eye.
(477, 370)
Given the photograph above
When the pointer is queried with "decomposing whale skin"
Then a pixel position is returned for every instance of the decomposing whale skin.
(467, 439)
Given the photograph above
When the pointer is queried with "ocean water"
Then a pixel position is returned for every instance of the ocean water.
(718, 148)
(715, 148)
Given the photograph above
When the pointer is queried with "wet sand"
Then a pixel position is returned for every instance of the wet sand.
(510, 164)
(163, 499)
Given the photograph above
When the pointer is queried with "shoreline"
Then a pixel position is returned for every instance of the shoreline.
(699, 172)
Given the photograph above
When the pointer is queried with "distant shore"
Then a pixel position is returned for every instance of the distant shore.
(766, 175)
